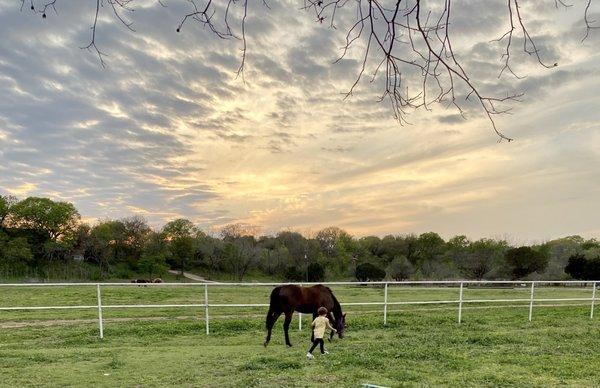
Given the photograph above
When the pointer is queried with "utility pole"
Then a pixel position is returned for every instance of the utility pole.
(306, 261)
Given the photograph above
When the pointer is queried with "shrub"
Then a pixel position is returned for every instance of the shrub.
(581, 268)
(593, 269)
(576, 267)
(524, 260)
(369, 272)
(316, 272)
(293, 273)
(400, 269)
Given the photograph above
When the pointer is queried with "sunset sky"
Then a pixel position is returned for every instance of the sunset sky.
(167, 130)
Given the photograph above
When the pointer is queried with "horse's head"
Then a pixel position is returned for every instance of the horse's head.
(340, 325)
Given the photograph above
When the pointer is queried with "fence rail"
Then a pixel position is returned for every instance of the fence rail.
(460, 301)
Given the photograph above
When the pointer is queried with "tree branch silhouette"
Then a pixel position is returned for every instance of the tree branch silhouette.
(398, 38)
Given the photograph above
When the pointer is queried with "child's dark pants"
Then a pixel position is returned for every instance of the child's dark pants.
(318, 341)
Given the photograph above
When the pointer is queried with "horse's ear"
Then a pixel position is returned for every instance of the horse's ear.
(344, 315)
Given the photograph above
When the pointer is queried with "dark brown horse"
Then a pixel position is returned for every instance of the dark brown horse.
(307, 300)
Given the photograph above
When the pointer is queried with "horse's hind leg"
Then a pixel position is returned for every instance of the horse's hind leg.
(272, 316)
(286, 327)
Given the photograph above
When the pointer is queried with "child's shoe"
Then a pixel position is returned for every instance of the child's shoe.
(309, 356)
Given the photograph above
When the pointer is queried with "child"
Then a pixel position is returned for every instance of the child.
(319, 324)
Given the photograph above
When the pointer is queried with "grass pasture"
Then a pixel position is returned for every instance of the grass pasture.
(421, 345)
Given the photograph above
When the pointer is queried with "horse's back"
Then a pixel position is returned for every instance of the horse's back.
(286, 295)
(302, 299)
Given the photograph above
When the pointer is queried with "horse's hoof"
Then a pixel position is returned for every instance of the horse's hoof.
(289, 345)
(265, 344)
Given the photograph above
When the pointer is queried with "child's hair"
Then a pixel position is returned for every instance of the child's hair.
(322, 311)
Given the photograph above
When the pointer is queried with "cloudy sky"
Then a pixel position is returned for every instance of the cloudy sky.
(167, 130)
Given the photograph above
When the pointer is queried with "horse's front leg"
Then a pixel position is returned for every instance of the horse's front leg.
(332, 323)
(286, 327)
(330, 336)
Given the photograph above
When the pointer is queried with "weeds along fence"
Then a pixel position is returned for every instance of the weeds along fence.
(458, 293)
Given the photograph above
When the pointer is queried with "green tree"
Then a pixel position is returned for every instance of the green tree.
(584, 267)
(331, 239)
(593, 269)
(15, 254)
(106, 244)
(58, 219)
(590, 244)
(524, 261)
(292, 273)
(182, 251)
(240, 254)
(153, 260)
(57, 251)
(153, 265)
(372, 245)
(296, 246)
(180, 227)
(316, 272)
(181, 235)
(234, 231)
(430, 246)
(400, 268)
(135, 235)
(482, 256)
(367, 272)
(210, 251)
(559, 251)
(576, 267)
(6, 208)
(458, 242)
(338, 247)
(393, 246)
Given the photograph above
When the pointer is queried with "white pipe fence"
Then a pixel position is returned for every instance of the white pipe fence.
(385, 303)
(100, 320)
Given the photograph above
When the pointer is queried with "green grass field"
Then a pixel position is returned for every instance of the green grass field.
(421, 345)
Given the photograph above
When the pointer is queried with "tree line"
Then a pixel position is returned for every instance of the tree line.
(42, 238)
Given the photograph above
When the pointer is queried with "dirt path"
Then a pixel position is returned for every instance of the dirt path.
(191, 276)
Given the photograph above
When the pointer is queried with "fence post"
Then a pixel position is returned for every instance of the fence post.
(593, 300)
(385, 298)
(531, 301)
(300, 318)
(460, 303)
(100, 323)
(206, 307)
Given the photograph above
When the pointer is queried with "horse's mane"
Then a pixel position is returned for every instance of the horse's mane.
(337, 308)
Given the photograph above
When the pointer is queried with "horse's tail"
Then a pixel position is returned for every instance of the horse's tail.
(274, 294)
(272, 304)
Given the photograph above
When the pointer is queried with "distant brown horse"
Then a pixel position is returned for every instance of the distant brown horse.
(156, 280)
(142, 281)
(289, 298)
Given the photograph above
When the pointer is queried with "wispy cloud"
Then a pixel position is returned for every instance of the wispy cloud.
(167, 130)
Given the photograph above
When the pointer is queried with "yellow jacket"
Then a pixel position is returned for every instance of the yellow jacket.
(319, 325)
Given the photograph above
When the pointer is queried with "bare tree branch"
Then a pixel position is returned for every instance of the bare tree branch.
(397, 39)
